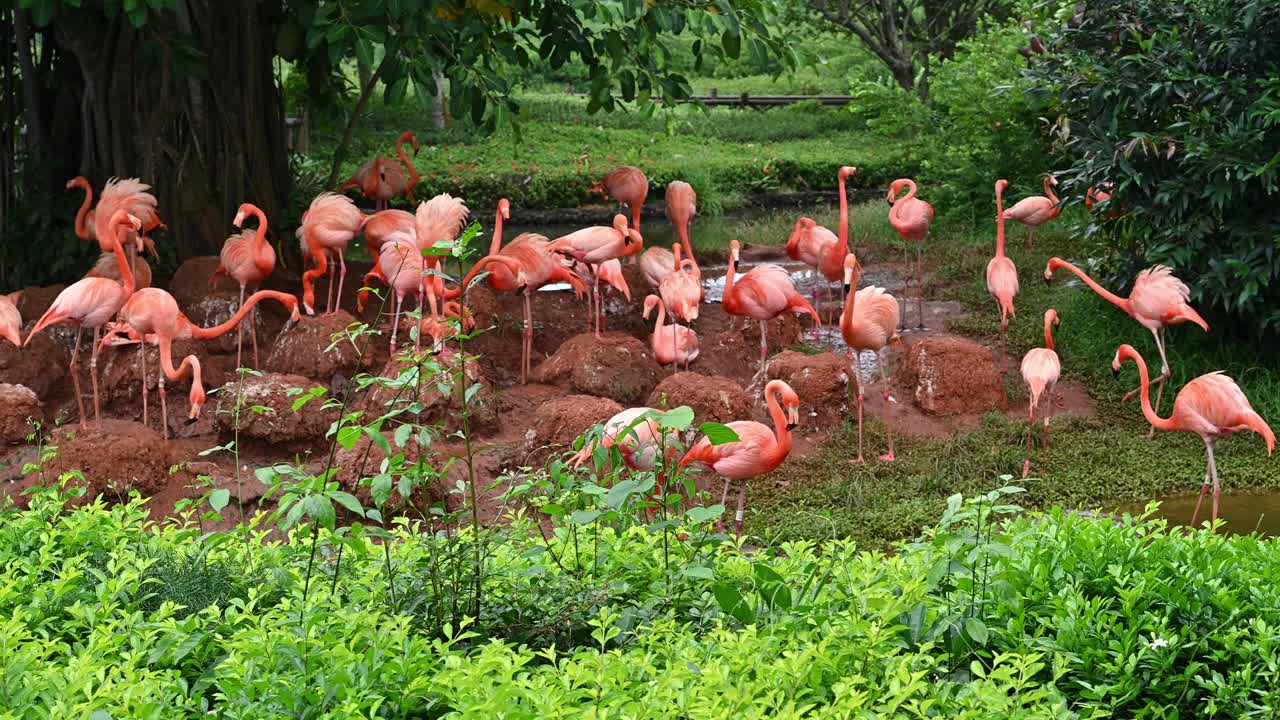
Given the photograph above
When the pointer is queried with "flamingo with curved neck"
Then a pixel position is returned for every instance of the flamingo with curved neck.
(911, 217)
(84, 222)
(1041, 369)
(1002, 275)
(249, 259)
(684, 341)
(408, 137)
(1036, 210)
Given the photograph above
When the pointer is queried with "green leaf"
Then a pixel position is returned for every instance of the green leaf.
(676, 418)
(380, 488)
(348, 501)
(733, 603)
(377, 438)
(320, 510)
(348, 435)
(718, 434)
(701, 515)
(699, 571)
(583, 517)
(732, 44)
(619, 493)
(218, 499)
(402, 435)
(976, 630)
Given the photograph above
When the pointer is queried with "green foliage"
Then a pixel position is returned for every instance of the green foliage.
(1177, 103)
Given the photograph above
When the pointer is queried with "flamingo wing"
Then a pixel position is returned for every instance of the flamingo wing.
(750, 456)
(440, 218)
(1040, 369)
(1214, 404)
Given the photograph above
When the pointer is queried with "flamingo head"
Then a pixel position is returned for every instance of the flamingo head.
(197, 399)
(308, 301)
(1051, 317)
(734, 247)
(522, 282)
(504, 208)
(620, 223)
(634, 241)
(1001, 184)
(294, 316)
(894, 188)
(408, 137)
(847, 172)
(78, 181)
(852, 270)
(791, 404)
(650, 303)
(1050, 179)
(1124, 352)
(1054, 264)
(241, 214)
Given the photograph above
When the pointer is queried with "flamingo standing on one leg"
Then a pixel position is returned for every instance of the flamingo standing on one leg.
(596, 245)
(91, 302)
(911, 217)
(629, 186)
(1036, 210)
(757, 451)
(1158, 300)
(10, 321)
(763, 293)
(869, 322)
(1040, 370)
(681, 289)
(327, 227)
(1210, 406)
(382, 179)
(1002, 276)
(249, 259)
(682, 205)
(810, 243)
(672, 344)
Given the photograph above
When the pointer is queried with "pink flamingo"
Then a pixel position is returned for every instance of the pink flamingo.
(91, 302)
(629, 186)
(672, 344)
(1002, 276)
(641, 448)
(810, 243)
(249, 259)
(608, 272)
(596, 245)
(763, 293)
(130, 193)
(1210, 406)
(377, 228)
(656, 264)
(327, 227)
(911, 217)
(681, 289)
(10, 321)
(382, 179)
(1102, 194)
(106, 267)
(682, 205)
(1040, 370)
(1158, 300)
(757, 451)
(1036, 210)
(868, 322)
(439, 329)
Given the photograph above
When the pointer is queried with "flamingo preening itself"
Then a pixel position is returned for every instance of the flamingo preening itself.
(682, 205)
(1040, 370)
(327, 227)
(629, 186)
(1002, 276)
(594, 246)
(672, 344)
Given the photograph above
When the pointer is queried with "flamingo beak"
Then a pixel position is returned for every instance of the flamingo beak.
(239, 221)
(1048, 279)
(310, 310)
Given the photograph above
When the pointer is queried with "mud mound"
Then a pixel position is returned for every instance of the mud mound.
(121, 378)
(115, 456)
(274, 419)
(303, 350)
(36, 300)
(821, 381)
(400, 389)
(735, 352)
(713, 398)
(17, 403)
(190, 283)
(557, 423)
(41, 366)
(952, 376)
(215, 310)
(615, 366)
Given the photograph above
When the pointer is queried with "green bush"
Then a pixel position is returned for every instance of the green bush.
(1177, 103)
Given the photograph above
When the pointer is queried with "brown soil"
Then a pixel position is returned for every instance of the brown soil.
(18, 406)
(712, 398)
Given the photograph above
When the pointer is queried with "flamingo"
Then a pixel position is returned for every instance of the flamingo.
(1096, 195)
(91, 302)
(682, 288)
(1036, 210)
(757, 451)
(382, 179)
(1210, 406)
(377, 229)
(10, 321)
(629, 186)
(1158, 300)
(642, 448)
(327, 226)
(439, 330)
(868, 322)
(609, 273)
(672, 344)
(656, 264)
(541, 267)
(682, 205)
(134, 197)
(151, 316)
(596, 245)
(106, 267)
(1002, 276)
(818, 247)
(249, 259)
(1040, 370)
(911, 217)
(763, 293)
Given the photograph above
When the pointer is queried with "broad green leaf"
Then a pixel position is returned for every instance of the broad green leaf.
(219, 498)
(976, 630)
(718, 434)
(676, 418)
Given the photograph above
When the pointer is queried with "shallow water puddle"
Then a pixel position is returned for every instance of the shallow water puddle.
(1244, 513)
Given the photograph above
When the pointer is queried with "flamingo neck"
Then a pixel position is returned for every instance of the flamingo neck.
(682, 230)
(900, 205)
(662, 316)
(728, 277)
(846, 317)
(1048, 333)
(510, 263)
(780, 431)
(675, 254)
(82, 230)
(117, 247)
(843, 230)
(1144, 395)
(1122, 303)
(1048, 191)
(260, 243)
(203, 333)
(404, 160)
(496, 246)
(999, 222)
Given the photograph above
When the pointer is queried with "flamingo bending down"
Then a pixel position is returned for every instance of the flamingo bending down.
(629, 186)
(682, 288)
(646, 447)
(91, 302)
(134, 197)
(655, 265)
(249, 259)
(1036, 210)
(869, 322)
(1210, 406)
(763, 293)
(1002, 276)
(1040, 370)
(682, 205)
(757, 451)
(382, 179)
(327, 227)
(1158, 300)
(672, 344)
(377, 228)
(911, 218)
(10, 321)
(439, 329)
(596, 245)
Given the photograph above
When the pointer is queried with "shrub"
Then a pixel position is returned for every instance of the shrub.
(1177, 104)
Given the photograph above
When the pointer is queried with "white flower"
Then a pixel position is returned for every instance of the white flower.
(1157, 642)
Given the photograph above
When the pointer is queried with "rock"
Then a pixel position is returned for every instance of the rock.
(615, 366)
(277, 422)
(120, 378)
(115, 456)
(17, 403)
(784, 332)
(303, 350)
(211, 311)
(35, 301)
(821, 381)
(557, 423)
(952, 376)
(190, 282)
(41, 365)
(713, 398)
(483, 306)
(400, 388)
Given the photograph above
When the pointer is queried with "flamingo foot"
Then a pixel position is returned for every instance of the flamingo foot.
(858, 460)
(1026, 469)
(888, 457)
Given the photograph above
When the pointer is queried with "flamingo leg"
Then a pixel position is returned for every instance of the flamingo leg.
(1048, 413)
(1217, 489)
(764, 346)
(328, 306)
(1031, 424)
(93, 376)
(253, 335)
(142, 371)
(1164, 376)
(1204, 487)
(164, 412)
(239, 330)
(1031, 236)
(527, 339)
(724, 498)
(342, 276)
(395, 320)
(742, 504)
(75, 377)
(906, 283)
(919, 286)
(888, 402)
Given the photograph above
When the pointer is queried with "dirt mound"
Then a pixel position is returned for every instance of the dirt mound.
(401, 388)
(190, 283)
(36, 300)
(821, 381)
(115, 456)
(274, 419)
(952, 376)
(735, 352)
(557, 423)
(17, 403)
(713, 398)
(215, 310)
(41, 366)
(303, 350)
(121, 379)
(615, 366)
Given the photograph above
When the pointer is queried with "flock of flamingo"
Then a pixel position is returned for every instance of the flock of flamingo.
(116, 296)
